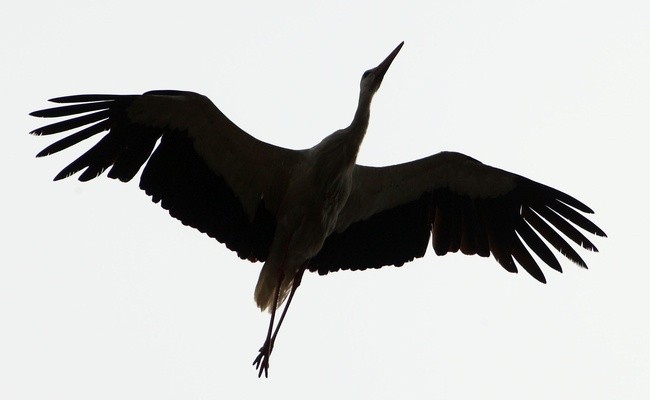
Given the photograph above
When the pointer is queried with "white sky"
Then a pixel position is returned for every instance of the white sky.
(104, 296)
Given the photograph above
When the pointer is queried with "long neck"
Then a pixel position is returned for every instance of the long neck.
(359, 125)
(341, 147)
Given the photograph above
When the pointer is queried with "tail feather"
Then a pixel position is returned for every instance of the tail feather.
(270, 281)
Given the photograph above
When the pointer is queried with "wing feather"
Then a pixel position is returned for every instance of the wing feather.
(69, 124)
(75, 138)
(527, 261)
(469, 206)
(206, 171)
(535, 243)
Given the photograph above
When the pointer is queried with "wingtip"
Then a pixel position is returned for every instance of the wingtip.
(60, 99)
(84, 98)
(65, 173)
(597, 231)
(580, 262)
(535, 272)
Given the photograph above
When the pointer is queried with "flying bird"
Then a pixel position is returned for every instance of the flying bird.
(314, 209)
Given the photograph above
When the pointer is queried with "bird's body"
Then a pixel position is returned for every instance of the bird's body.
(306, 217)
(314, 209)
(318, 190)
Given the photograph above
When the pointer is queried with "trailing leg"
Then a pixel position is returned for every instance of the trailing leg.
(262, 360)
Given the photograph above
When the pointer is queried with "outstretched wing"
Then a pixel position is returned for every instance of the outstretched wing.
(465, 205)
(206, 171)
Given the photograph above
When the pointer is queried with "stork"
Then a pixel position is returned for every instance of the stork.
(314, 209)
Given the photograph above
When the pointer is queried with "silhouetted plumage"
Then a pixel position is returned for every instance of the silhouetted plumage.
(314, 209)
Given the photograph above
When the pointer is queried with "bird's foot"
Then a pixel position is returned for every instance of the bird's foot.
(261, 362)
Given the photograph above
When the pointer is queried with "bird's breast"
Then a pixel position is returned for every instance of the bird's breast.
(311, 207)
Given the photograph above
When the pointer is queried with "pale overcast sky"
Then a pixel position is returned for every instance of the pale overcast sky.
(104, 296)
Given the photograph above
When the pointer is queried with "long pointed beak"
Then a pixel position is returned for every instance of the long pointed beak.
(381, 69)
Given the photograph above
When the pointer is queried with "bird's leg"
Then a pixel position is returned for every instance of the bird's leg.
(296, 282)
(262, 360)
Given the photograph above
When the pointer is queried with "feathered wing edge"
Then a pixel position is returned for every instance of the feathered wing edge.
(196, 185)
(462, 205)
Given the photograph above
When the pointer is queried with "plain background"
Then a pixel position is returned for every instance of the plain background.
(103, 296)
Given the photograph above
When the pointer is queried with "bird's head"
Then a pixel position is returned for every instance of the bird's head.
(371, 79)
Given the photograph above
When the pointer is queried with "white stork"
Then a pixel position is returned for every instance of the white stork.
(314, 209)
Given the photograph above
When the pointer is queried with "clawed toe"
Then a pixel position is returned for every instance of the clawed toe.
(261, 362)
